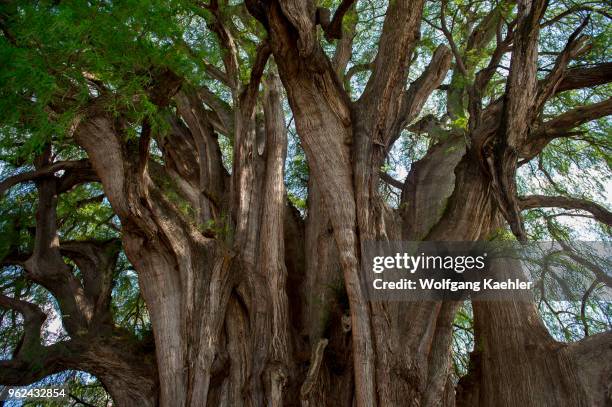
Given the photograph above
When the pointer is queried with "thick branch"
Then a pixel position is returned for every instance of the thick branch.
(344, 47)
(33, 318)
(249, 95)
(353, 70)
(210, 172)
(46, 266)
(301, 14)
(381, 97)
(43, 172)
(420, 90)
(574, 47)
(576, 117)
(230, 56)
(562, 125)
(577, 78)
(391, 181)
(483, 77)
(521, 89)
(333, 29)
(96, 261)
(216, 73)
(542, 201)
(521, 86)
(223, 111)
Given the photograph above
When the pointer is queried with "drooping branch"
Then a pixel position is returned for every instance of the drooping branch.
(542, 201)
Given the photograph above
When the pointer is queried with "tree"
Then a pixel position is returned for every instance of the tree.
(159, 131)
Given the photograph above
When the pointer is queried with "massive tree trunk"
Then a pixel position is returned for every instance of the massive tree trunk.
(516, 362)
(252, 304)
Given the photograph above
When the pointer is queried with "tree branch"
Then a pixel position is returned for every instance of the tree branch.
(521, 89)
(572, 10)
(419, 90)
(96, 261)
(344, 47)
(576, 117)
(354, 70)
(216, 73)
(483, 77)
(46, 266)
(230, 56)
(33, 318)
(542, 201)
(561, 126)
(451, 41)
(333, 29)
(43, 172)
(382, 95)
(221, 109)
(249, 95)
(391, 181)
(574, 47)
(31, 361)
(577, 78)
